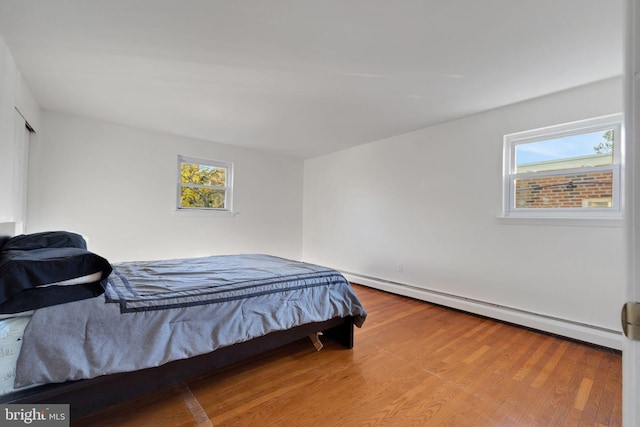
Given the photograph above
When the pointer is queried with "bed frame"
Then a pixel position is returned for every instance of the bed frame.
(87, 396)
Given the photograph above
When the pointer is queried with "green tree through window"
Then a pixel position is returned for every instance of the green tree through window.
(204, 184)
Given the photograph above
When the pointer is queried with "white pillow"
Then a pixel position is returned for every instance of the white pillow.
(89, 278)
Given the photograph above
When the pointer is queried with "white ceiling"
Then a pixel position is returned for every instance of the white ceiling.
(305, 77)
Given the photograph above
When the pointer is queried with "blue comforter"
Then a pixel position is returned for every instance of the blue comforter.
(159, 311)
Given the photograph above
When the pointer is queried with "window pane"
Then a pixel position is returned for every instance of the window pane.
(585, 190)
(202, 198)
(576, 151)
(193, 173)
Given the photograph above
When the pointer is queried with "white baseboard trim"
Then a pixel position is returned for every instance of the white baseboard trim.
(563, 327)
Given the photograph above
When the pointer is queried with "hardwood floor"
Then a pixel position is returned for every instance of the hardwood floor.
(414, 364)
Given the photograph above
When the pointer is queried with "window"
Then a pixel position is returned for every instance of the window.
(564, 171)
(204, 184)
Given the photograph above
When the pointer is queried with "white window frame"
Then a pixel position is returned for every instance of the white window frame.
(228, 200)
(509, 210)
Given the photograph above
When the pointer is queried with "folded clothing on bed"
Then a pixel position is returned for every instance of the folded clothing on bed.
(45, 239)
(49, 268)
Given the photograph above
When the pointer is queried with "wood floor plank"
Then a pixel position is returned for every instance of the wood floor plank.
(583, 394)
(610, 395)
(548, 368)
(413, 364)
(532, 361)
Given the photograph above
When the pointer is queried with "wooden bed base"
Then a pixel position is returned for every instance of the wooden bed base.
(87, 396)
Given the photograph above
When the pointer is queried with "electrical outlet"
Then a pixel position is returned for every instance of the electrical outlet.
(399, 266)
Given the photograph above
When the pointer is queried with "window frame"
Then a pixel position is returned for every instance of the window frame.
(228, 188)
(509, 210)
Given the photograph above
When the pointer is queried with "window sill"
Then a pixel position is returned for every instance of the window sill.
(206, 213)
(615, 222)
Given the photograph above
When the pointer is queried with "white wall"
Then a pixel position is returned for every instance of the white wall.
(430, 200)
(17, 104)
(8, 72)
(117, 185)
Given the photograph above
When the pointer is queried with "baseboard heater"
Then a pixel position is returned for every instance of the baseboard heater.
(558, 326)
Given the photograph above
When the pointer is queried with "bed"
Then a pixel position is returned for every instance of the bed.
(88, 333)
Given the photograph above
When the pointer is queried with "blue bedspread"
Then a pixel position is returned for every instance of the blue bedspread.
(157, 285)
(156, 312)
